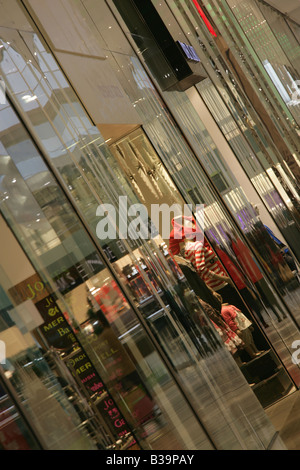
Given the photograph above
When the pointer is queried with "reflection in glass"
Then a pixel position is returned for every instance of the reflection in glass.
(171, 356)
(55, 417)
(14, 434)
(235, 200)
(278, 54)
(196, 188)
(132, 371)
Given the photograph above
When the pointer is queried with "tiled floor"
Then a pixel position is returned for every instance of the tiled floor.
(285, 416)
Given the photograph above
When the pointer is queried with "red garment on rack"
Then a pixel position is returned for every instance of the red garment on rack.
(233, 271)
(246, 260)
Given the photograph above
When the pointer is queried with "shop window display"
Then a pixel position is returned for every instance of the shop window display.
(188, 176)
(242, 279)
(91, 302)
(91, 314)
(82, 328)
(218, 231)
(224, 98)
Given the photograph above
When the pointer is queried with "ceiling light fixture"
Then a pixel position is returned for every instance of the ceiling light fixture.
(28, 98)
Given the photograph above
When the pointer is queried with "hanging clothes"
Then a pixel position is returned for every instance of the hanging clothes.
(236, 275)
(246, 260)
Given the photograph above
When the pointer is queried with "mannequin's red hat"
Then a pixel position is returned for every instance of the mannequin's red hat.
(180, 232)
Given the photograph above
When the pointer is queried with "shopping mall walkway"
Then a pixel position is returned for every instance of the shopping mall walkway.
(285, 416)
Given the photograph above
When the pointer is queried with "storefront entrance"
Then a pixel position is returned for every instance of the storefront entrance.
(265, 364)
(119, 343)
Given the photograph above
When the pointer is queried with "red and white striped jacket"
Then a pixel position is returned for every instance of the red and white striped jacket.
(204, 260)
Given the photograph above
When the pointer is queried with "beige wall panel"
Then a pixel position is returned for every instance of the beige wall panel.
(76, 44)
(12, 17)
(15, 266)
(68, 26)
(112, 37)
(99, 90)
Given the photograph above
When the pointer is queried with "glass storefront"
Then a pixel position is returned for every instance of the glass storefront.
(278, 53)
(86, 324)
(145, 361)
(191, 180)
(233, 111)
(225, 100)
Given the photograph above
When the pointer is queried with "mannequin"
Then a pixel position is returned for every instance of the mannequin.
(240, 324)
(211, 304)
(203, 259)
(197, 284)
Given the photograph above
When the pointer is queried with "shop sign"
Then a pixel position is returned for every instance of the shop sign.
(81, 365)
(121, 372)
(33, 288)
(56, 329)
(60, 335)
(189, 52)
(67, 279)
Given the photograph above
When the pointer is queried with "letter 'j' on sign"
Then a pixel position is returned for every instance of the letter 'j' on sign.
(2, 92)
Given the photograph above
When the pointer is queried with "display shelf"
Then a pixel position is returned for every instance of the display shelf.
(267, 378)
(261, 367)
(272, 389)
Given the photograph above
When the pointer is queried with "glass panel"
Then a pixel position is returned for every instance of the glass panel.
(227, 89)
(152, 54)
(267, 45)
(48, 407)
(224, 99)
(220, 95)
(14, 432)
(253, 82)
(90, 300)
(283, 33)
